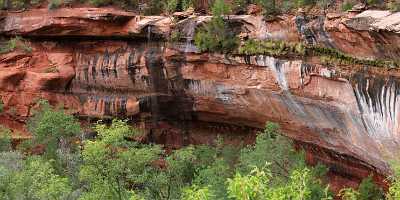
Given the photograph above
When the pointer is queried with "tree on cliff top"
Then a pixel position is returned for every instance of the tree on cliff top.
(216, 36)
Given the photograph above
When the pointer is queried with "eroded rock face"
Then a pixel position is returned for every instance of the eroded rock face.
(345, 116)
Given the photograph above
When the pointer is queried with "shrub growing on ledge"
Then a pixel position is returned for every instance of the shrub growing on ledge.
(215, 36)
(394, 5)
(13, 44)
(1, 106)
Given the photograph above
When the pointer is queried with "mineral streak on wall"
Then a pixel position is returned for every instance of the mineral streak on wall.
(345, 115)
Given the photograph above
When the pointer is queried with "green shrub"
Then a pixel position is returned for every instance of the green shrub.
(53, 128)
(269, 7)
(18, 4)
(196, 193)
(155, 7)
(347, 5)
(51, 69)
(349, 194)
(54, 4)
(302, 3)
(220, 8)
(368, 190)
(185, 4)
(100, 2)
(394, 5)
(9, 46)
(5, 139)
(14, 43)
(373, 2)
(172, 5)
(1, 106)
(216, 37)
(287, 6)
(35, 2)
(239, 5)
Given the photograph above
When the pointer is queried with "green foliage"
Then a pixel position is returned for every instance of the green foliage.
(18, 4)
(100, 2)
(394, 5)
(5, 139)
(214, 176)
(51, 69)
(112, 164)
(185, 4)
(155, 7)
(374, 2)
(196, 193)
(36, 180)
(239, 5)
(275, 149)
(54, 128)
(349, 194)
(172, 5)
(10, 45)
(368, 190)
(302, 3)
(347, 5)
(275, 48)
(215, 36)
(53, 4)
(257, 186)
(1, 106)
(10, 162)
(270, 7)
(15, 43)
(327, 56)
(394, 189)
(220, 8)
(249, 187)
(287, 6)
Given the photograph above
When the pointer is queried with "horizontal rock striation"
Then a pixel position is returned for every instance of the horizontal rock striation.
(346, 116)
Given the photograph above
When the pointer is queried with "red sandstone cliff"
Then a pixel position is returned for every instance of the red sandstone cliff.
(103, 63)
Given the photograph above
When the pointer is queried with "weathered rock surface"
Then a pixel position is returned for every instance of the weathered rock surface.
(370, 34)
(345, 116)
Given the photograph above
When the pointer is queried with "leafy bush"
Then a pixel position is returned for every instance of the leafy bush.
(18, 4)
(269, 47)
(155, 7)
(172, 6)
(185, 4)
(220, 8)
(196, 193)
(100, 2)
(257, 185)
(368, 190)
(394, 5)
(273, 148)
(216, 37)
(53, 4)
(5, 139)
(302, 3)
(347, 5)
(38, 180)
(52, 69)
(1, 106)
(54, 128)
(15, 43)
(349, 194)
